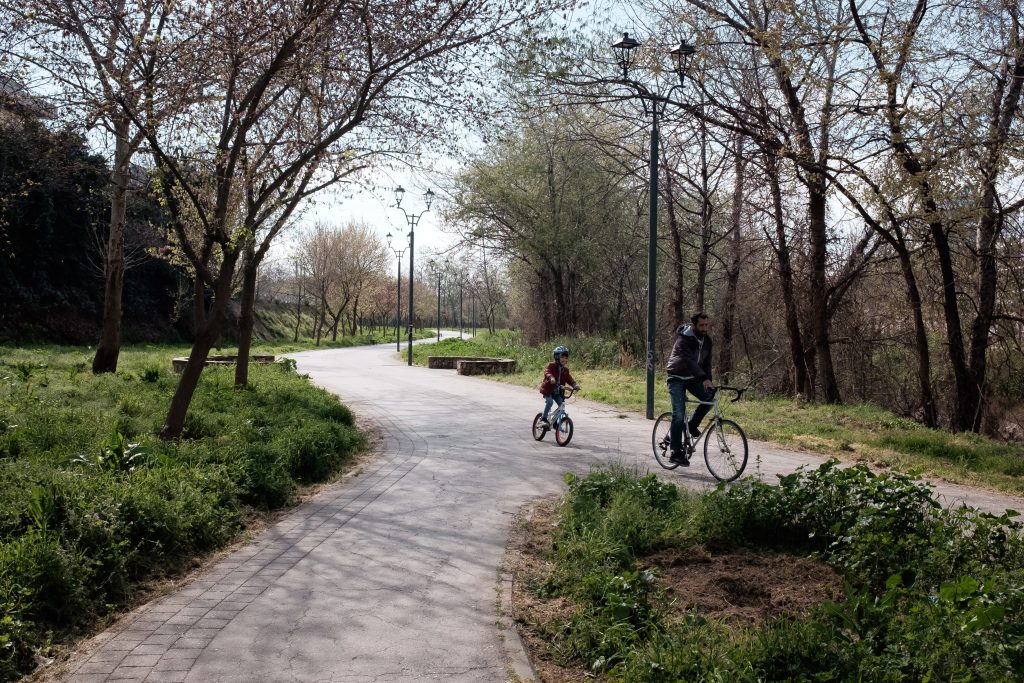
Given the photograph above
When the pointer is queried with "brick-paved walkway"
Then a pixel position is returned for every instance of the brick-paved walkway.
(390, 575)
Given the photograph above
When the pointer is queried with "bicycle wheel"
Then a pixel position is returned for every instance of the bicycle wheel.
(538, 430)
(725, 450)
(563, 431)
(661, 441)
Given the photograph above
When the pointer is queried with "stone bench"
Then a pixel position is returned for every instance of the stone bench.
(448, 362)
(178, 364)
(486, 366)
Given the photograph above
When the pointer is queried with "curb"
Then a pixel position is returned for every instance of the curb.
(517, 661)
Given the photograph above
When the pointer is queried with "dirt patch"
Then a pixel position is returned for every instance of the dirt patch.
(743, 586)
(738, 586)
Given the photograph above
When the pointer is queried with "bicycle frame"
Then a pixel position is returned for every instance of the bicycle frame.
(560, 411)
(716, 411)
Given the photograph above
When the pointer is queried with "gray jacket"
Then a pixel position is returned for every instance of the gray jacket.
(691, 355)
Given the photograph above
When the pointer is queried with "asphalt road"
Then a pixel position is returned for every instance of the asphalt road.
(390, 574)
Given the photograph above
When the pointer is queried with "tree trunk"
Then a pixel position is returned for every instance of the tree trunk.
(816, 206)
(675, 230)
(298, 301)
(109, 347)
(924, 369)
(967, 395)
(796, 345)
(247, 316)
(199, 291)
(725, 358)
(706, 210)
(355, 315)
(206, 337)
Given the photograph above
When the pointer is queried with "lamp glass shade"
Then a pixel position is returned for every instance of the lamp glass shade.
(625, 51)
(681, 55)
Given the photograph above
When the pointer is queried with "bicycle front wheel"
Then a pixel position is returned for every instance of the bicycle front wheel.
(539, 430)
(563, 431)
(725, 450)
(661, 441)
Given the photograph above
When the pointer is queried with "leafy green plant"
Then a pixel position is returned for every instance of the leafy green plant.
(42, 507)
(115, 455)
(16, 639)
(150, 374)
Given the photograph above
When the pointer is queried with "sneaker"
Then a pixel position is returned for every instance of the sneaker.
(694, 433)
(679, 458)
(544, 424)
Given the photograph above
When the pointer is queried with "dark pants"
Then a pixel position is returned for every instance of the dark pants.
(677, 389)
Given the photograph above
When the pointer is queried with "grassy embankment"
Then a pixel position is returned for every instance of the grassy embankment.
(612, 587)
(861, 432)
(94, 507)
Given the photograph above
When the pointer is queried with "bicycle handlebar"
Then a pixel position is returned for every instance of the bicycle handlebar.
(567, 390)
(736, 390)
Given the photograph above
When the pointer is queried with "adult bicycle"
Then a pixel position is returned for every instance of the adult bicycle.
(725, 444)
(560, 422)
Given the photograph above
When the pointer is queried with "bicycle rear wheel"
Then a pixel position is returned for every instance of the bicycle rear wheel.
(538, 429)
(661, 441)
(563, 431)
(725, 450)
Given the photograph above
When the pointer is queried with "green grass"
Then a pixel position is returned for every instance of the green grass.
(931, 594)
(863, 432)
(93, 504)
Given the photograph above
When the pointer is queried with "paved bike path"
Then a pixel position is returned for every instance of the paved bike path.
(390, 575)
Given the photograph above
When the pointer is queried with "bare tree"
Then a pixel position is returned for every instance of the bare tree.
(358, 68)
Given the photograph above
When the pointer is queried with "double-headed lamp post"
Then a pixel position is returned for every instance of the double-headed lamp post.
(413, 219)
(398, 306)
(654, 105)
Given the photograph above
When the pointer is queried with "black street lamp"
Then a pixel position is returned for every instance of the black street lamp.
(398, 307)
(461, 307)
(655, 105)
(413, 219)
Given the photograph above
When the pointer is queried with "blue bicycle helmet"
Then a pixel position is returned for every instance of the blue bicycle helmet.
(560, 351)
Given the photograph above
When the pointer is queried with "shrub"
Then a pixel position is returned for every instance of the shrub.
(931, 594)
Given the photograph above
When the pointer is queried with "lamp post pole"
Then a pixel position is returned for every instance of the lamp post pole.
(655, 105)
(398, 306)
(413, 220)
(438, 305)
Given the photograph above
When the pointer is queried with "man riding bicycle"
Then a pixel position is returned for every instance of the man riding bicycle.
(689, 369)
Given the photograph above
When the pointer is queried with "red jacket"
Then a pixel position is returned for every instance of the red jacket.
(555, 371)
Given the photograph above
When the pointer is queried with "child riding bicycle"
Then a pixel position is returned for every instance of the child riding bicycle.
(556, 374)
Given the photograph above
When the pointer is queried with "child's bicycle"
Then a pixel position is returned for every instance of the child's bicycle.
(560, 422)
(725, 444)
